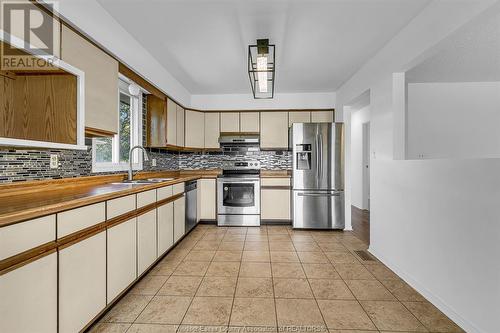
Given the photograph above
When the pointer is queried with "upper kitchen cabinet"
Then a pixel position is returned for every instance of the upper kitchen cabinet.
(195, 129)
(274, 130)
(299, 117)
(156, 121)
(180, 126)
(322, 116)
(101, 81)
(230, 122)
(249, 122)
(171, 122)
(212, 130)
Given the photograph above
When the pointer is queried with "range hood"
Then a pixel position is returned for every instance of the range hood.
(240, 143)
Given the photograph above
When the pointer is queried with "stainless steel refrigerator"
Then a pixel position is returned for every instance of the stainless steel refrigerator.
(318, 175)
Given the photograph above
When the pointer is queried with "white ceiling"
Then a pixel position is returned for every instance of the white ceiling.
(319, 44)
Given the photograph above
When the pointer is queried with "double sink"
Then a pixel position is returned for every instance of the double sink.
(143, 181)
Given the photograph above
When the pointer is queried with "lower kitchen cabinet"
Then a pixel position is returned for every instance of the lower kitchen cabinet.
(146, 241)
(165, 215)
(82, 282)
(275, 199)
(179, 218)
(207, 199)
(28, 301)
(122, 257)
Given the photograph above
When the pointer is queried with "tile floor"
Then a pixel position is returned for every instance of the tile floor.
(271, 279)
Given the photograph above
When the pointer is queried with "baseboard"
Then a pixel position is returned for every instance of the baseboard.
(435, 300)
(276, 222)
(207, 221)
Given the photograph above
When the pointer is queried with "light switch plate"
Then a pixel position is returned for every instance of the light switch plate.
(153, 162)
(54, 161)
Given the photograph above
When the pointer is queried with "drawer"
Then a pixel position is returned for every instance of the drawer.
(119, 206)
(26, 235)
(275, 182)
(164, 192)
(146, 198)
(74, 220)
(178, 188)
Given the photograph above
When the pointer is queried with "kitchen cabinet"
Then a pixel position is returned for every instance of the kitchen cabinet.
(165, 222)
(74, 220)
(249, 122)
(179, 218)
(119, 206)
(82, 282)
(275, 198)
(121, 257)
(230, 122)
(146, 241)
(171, 122)
(274, 129)
(212, 129)
(156, 121)
(207, 200)
(195, 129)
(299, 117)
(322, 117)
(28, 301)
(180, 126)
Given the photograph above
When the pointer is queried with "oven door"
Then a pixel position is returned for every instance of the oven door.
(238, 196)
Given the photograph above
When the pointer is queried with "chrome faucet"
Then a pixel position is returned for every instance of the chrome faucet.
(146, 158)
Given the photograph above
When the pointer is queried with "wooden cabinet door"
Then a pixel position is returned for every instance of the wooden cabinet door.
(146, 241)
(165, 215)
(208, 204)
(180, 126)
(195, 129)
(322, 116)
(274, 130)
(249, 122)
(82, 282)
(212, 131)
(122, 257)
(230, 122)
(171, 122)
(299, 117)
(156, 121)
(28, 301)
(179, 218)
(275, 198)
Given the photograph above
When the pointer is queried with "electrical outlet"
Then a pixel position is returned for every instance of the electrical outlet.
(54, 161)
(153, 162)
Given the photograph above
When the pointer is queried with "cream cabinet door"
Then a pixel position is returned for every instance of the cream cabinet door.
(179, 218)
(322, 117)
(165, 215)
(122, 257)
(171, 122)
(146, 241)
(195, 129)
(82, 282)
(249, 122)
(180, 126)
(208, 203)
(274, 129)
(212, 131)
(299, 117)
(230, 122)
(28, 301)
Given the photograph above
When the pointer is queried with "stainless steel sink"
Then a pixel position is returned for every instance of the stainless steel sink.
(143, 181)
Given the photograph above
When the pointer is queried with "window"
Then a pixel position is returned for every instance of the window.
(112, 154)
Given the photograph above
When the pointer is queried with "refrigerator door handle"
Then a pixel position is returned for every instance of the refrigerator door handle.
(336, 194)
(318, 175)
(320, 140)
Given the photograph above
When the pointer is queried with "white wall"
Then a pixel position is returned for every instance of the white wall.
(358, 118)
(453, 120)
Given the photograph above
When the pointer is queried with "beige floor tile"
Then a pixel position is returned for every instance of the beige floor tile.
(332, 247)
(313, 257)
(275, 230)
(402, 291)
(369, 290)
(237, 230)
(284, 256)
(192, 268)
(431, 317)
(257, 256)
(206, 246)
(256, 246)
(164, 310)
(253, 312)
(149, 285)
(330, 289)
(381, 272)
(287, 270)
(227, 256)
(254, 287)
(320, 271)
(127, 309)
(152, 328)
(234, 238)
(164, 268)
(209, 311)
(353, 272)
(228, 268)
(392, 316)
(212, 237)
(302, 238)
(306, 247)
(340, 257)
(356, 331)
(279, 238)
(256, 238)
(281, 246)
(231, 246)
(255, 269)
(200, 255)
(109, 328)
(292, 288)
(217, 286)
(180, 286)
(340, 314)
(298, 312)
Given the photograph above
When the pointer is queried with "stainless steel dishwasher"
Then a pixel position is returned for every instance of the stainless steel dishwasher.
(191, 204)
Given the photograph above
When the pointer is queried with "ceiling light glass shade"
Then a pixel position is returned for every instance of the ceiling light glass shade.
(261, 69)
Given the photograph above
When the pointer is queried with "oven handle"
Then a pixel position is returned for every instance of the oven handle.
(235, 180)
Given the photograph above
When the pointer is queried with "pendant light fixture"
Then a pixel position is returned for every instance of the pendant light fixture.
(261, 65)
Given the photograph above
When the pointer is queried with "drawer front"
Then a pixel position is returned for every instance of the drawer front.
(275, 182)
(23, 236)
(117, 207)
(146, 198)
(178, 188)
(164, 192)
(74, 220)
